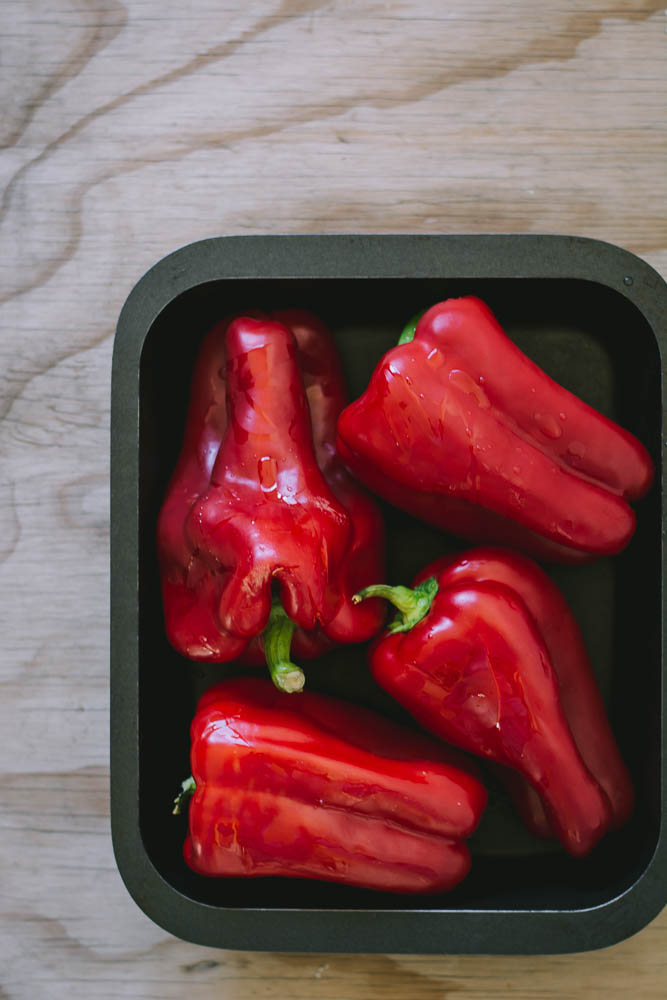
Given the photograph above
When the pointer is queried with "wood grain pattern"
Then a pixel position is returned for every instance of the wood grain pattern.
(129, 129)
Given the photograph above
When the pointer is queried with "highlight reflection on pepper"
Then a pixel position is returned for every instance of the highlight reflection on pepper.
(263, 536)
(309, 786)
(486, 654)
(485, 445)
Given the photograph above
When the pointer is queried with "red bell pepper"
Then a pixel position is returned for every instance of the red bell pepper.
(486, 654)
(194, 580)
(324, 382)
(313, 787)
(461, 429)
(578, 689)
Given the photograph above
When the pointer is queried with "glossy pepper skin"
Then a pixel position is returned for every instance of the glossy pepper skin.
(461, 429)
(191, 581)
(492, 662)
(309, 786)
(324, 382)
(577, 687)
(268, 513)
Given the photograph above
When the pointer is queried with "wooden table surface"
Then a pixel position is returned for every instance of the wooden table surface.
(130, 129)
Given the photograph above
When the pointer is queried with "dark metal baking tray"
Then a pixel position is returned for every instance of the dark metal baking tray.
(593, 316)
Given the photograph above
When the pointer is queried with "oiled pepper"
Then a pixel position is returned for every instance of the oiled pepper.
(309, 786)
(486, 654)
(248, 478)
(461, 429)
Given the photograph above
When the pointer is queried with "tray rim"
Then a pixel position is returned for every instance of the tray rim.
(411, 930)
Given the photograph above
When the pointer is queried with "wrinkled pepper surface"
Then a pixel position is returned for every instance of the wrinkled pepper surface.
(459, 428)
(248, 504)
(309, 786)
(485, 653)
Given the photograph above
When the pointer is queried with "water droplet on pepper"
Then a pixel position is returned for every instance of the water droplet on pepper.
(576, 449)
(548, 425)
(468, 385)
(266, 468)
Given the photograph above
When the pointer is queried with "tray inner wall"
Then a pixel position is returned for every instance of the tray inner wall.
(590, 339)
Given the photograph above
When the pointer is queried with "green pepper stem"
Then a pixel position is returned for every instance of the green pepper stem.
(410, 328)
(412, 605)
(287, 676)
(187, 789)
